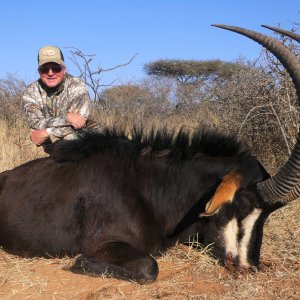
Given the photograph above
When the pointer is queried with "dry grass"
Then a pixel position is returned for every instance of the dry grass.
(185, 273)
(15, 146)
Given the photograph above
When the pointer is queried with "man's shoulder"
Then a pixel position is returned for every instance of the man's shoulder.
(75, 83)
(32, 87)
(74, 80)
(33, 84)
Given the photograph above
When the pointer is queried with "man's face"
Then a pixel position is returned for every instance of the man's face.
(52, 74)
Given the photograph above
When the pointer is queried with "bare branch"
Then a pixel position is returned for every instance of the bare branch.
(92, 77)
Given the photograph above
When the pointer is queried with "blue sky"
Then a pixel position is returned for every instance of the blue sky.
(114, 30)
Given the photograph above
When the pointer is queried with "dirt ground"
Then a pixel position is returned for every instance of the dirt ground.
(185, 273)
(45, 279)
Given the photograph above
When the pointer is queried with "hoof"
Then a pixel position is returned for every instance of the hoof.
(144, 271)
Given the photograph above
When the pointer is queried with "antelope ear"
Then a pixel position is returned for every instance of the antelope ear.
(224, 194)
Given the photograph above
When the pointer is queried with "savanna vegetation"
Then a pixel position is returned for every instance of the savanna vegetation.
(254, 100)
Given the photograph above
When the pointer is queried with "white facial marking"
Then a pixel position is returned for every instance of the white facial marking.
(247, 225)
(230, 237)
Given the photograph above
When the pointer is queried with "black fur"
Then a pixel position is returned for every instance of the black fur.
(116, 201)
(180, 145)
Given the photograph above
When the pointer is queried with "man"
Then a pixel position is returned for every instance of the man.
(56, 105)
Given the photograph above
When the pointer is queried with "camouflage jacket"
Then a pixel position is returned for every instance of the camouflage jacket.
(47, 109)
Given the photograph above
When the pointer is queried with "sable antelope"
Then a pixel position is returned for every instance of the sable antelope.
(118, 202)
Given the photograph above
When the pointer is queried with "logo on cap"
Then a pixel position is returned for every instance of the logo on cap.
(49, 52)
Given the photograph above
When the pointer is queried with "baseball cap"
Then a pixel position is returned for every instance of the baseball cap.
(50, 54)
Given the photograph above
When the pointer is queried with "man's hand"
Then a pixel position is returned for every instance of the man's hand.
(39, 136)
(76, 120)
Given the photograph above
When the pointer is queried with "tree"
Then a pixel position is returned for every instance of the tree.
(191, 71)
(192, 77)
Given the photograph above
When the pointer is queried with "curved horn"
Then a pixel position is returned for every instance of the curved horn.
(290, 34)
(292, 195)
(279, 188)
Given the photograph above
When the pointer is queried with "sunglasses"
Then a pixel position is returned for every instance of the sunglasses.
(55, 69)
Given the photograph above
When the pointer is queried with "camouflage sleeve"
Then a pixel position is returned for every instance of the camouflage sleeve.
(79, 96)
(57, 127)
(35, 118)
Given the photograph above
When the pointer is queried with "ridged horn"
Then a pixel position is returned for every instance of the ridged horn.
(283, 187)
(290, 34)
(294, 194)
